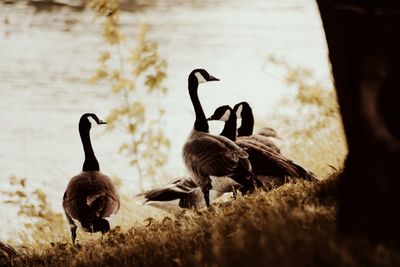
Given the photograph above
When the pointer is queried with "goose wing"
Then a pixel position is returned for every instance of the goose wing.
(175, 190)
(224, 185)
(262, 139)
(188, 193)
(266, 161)
(194, 199)
(106, 201)
(184, 189)
(207, 154)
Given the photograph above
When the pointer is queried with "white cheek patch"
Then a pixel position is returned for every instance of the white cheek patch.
(226, 115)
(200, 77)
(92, 121)
(239, 112)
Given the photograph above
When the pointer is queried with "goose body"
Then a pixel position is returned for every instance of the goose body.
(188, 193)
(265, 160)
(265, 135)
(90, 198)
(208, 155)
(184, 189)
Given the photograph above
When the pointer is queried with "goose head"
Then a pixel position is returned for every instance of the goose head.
(241, 109)
(88, 120)
(268, 131)
(222, 113)
(201, 76)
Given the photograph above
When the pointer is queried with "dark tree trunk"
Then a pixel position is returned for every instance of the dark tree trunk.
(364, 48)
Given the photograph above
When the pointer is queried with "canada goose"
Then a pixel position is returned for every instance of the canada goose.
(264, 159)
(244, 111)
(268, 132)
(90, 197)
(189, 193)
(208, 155)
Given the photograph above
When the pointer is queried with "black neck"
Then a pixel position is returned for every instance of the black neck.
(229, 130)
(200, 123)
(91, 163)
(246, 128)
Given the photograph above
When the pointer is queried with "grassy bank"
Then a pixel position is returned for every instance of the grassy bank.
(290, 226)
(293, 225)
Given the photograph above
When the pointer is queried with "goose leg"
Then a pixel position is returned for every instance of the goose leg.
(258, 182)
(72, 227)
(247, 184)
(206, 193)
(234, 191)
(73, 233)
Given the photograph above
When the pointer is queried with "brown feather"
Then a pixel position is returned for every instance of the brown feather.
(90, 195)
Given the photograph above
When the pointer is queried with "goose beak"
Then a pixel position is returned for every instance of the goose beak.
(212, 78)
(102, 122)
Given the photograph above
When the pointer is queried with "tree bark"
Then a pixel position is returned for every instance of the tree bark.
(363, 38)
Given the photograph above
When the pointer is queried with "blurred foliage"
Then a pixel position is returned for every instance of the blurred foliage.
(148, 145)
(309, 90)
(308, 118)
(33, 206)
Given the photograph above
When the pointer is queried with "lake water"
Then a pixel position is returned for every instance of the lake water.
(47, 58)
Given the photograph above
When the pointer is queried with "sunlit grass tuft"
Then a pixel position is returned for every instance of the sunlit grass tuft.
(308, 119)
(293, 225)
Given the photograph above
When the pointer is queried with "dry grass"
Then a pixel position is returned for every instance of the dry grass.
(293, 225)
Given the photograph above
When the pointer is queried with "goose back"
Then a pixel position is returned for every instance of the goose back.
(89, 198)
(263, 140)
